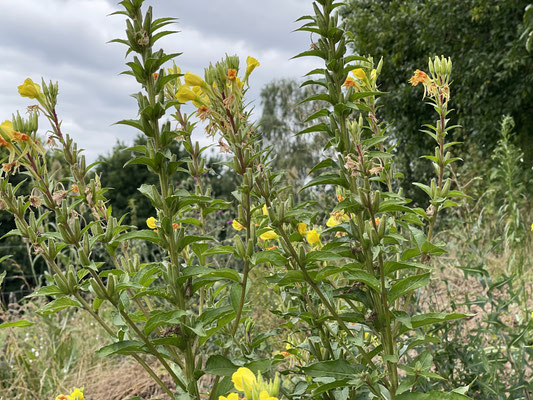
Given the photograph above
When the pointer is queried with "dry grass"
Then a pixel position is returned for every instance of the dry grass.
(122, 378)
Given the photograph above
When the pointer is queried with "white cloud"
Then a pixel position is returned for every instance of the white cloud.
(66, 40)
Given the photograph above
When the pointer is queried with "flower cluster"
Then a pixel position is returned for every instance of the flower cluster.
(77, 394)
(218, 94)
(254, 388)
(436, 84)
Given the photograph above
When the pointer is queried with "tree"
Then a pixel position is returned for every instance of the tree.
(282, 119)
(492, 71)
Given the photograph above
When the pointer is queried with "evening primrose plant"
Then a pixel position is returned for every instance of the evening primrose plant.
(347, 282)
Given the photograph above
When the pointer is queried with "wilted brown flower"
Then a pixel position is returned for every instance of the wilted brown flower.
(59, 195)
(36, 201)
(351, 165)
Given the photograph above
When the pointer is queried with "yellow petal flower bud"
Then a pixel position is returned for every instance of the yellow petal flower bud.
(29, 89)
(236, 225)
(263, 395)
(333, 221)
(185, 94)
(7, 127)
(150, 222)
(269, 235)
(77, 394)
(313, 237)
(302, 228)
(231, 396)
(251, 64)
(359, 73)
(243, 378)
(194, 80)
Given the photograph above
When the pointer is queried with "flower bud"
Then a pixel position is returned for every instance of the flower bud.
(194, 80)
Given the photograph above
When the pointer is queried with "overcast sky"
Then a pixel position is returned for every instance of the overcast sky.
(66, 41)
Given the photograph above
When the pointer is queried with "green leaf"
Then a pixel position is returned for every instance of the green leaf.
(432, 318)
(269, 256)
(327, 163)
(365, 277)
(123, 347)
(191, 239)
(2, 276)
(51, 290)
(407, 285)
(322, 127)
(435, 395)
(319, 114)
(321, 255)
(219, 365)
(218, 250)
(144, 234)
(393, 266)
(58, 305)
(338, 369)
(160, 318)
(16, 324)
(326, 179)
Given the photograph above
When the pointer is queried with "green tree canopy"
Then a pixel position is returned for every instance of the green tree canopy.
(492, 70)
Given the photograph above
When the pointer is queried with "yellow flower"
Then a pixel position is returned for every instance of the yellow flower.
(313, 237)
(349, 82)
(251, 64)
(29, 89)
(332, 221)
(242, 378)
(231, 396)
(336, 218)
(263, 395)
(194, 80)
(418, 77)
(302, 228)
(77, 394)
(269, 235)
(264, 209)
(236, 225)
(531, 227)
(7, 127)
(150, 222)
(185, 94)
(232, 74)
(359, 73)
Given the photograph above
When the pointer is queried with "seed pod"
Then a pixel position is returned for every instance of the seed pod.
(111, 287)
(97, 289)
(281, 211)
(109, 230)
(72, 279)
(374, 237)
(84, 260)
(446, 187)
(376, 201)
(249, 248)
(382, 226)
(433, 189)
(61, 284)
(302, 256)
(239, 246)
